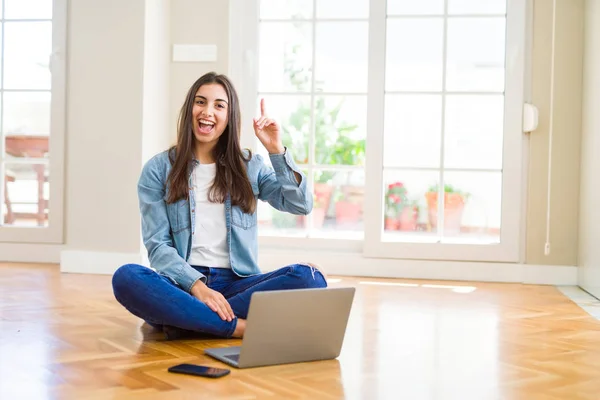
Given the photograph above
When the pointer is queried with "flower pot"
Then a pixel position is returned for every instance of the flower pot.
(454, 204)
(322, 192)
(408, 219)
(318, 216)
(347, 213)
(391, 224)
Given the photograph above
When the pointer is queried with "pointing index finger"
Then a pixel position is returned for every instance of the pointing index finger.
(262, 107)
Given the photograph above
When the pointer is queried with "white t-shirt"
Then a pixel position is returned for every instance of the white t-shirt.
(209, 243)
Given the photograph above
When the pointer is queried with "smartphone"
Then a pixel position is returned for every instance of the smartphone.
(199, 370)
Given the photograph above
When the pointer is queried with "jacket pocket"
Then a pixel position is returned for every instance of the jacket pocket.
(242, 220)
(176, 213)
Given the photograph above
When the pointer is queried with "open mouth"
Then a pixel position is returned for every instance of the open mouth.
(205, 126)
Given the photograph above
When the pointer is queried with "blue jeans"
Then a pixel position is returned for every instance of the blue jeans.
(160, 302)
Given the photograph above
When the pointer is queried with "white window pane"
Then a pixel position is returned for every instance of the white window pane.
(474, 132)
(26, 196)
(415, 7)
(28, 9)
(286, 9)
(337, 212)
(340, 130)
(285, 54)
(279, 223)
(27, 55)
(473, 206)
(476, 6)
(412, 132)
(341, 63)
(293, 115)
(405, 212)
(338, 204)
(414, 60)
(26, 113)
(476, 50)
(272, 222)
(347, 9)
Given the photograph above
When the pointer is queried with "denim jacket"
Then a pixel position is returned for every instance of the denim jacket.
(167, 229)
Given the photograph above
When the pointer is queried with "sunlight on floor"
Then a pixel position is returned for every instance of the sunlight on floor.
(454, 288)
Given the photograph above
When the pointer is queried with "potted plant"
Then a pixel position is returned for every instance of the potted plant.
(400, 212)
(349, 204)
(409, 216)
(320, 203)
(395, 199)
(454, 204)
(334, 145)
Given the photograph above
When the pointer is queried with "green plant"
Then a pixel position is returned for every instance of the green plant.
(334, 144)
(448, 189)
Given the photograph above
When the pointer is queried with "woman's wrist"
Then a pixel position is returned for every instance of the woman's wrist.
(197, 287)
(279, 149)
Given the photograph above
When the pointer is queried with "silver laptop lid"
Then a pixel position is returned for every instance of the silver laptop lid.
(288, 326)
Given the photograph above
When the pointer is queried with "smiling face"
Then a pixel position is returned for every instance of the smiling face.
(209, 115)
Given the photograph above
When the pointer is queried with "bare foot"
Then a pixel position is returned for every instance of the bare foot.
(240, 328)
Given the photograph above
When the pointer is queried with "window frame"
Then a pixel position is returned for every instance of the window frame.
(243, 60)
(53, 233)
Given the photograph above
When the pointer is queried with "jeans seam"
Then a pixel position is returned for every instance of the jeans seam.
(254, 284)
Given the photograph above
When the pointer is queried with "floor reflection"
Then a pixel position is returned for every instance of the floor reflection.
(424, 344)
(63, 336)
(26, 350)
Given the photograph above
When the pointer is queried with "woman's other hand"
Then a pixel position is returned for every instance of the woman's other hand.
(213, 299)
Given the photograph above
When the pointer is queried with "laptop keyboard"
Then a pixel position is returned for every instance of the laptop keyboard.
(233, 357)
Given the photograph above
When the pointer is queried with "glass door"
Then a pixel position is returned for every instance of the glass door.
(313, 75)
(31, 120)
(446, 94)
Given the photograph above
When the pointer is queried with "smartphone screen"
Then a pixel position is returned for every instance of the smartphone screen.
(199, 370)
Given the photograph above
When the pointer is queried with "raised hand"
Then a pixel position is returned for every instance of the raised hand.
(268, 131)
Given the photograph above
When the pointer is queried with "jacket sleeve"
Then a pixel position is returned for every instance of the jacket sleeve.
(278, 185)
(156, 229)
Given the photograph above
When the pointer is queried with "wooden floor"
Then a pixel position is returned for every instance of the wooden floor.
(65, 337)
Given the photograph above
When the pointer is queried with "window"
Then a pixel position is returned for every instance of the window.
(31, 119)
(406, 117)
(313, 75)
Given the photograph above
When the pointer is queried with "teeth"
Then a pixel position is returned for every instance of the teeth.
(206, 122)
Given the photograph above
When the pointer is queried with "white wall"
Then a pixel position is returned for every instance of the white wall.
(589, 223)
(123, 99)
(196, 22)
(104, 124)
(566, 146)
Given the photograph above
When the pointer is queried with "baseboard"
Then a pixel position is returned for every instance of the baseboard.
(550, 274)
(93, 262)
(351, 264)
(30, 252)
(348, 264)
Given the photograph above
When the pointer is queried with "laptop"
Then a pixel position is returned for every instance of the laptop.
(291, 326)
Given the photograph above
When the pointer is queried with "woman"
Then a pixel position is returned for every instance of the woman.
(198, 207)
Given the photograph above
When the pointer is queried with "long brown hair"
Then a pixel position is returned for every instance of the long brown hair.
(231, 174)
